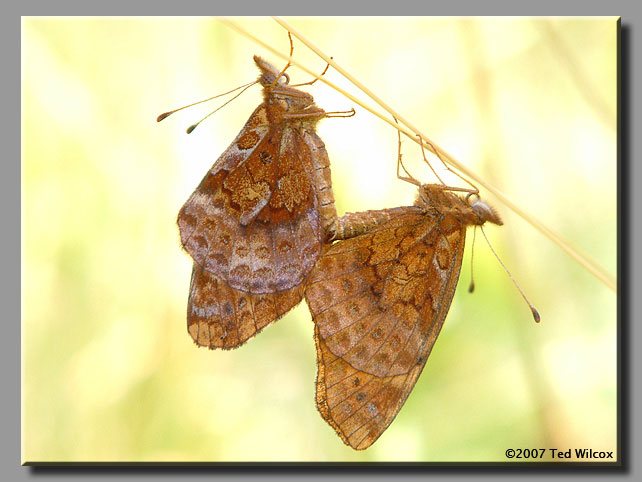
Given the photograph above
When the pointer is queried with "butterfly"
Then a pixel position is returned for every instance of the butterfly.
(378, 298)
(256, 224)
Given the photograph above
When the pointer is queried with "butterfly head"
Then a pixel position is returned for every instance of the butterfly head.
(278, 92)
(269, 73)
(483, 211)
(470, 210)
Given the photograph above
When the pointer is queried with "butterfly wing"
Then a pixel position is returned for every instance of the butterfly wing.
(254, 220)
(378, 301)
(219, 316)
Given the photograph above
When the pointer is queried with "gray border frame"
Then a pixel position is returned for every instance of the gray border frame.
(629, 232)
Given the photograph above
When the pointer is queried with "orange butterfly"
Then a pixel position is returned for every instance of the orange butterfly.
(379, 297)
(257, 222)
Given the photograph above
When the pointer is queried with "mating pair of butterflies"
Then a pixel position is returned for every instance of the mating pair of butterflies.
(263, 232)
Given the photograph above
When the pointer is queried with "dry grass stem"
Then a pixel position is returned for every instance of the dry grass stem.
(412, 132)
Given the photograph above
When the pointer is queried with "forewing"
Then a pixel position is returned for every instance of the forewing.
(378, 301)
(219, 316)
(254, 222)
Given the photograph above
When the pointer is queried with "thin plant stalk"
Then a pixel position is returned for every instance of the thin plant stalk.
(420, 138)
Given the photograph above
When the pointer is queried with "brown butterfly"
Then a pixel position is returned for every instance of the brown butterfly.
(378, 298)
(257, 222)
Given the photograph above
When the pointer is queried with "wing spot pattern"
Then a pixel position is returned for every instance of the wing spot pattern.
(248, 140)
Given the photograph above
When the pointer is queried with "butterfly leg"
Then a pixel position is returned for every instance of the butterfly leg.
(408, 177)
(449, 188)
(316, 78)
(287, 66)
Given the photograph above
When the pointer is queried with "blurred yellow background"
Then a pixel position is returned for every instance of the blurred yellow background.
(109, 371)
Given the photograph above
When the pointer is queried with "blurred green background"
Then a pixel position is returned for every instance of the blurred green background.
(109, 371)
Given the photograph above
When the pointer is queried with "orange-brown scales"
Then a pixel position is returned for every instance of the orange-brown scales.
(257, 222)
(379, 297)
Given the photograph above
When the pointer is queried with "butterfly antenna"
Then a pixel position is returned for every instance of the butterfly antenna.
(471, 287)
(164, 115)
(194, 126)
(533, 310)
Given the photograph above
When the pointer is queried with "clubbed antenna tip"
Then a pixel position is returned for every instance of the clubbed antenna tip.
(164, 115)
(535, 314)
